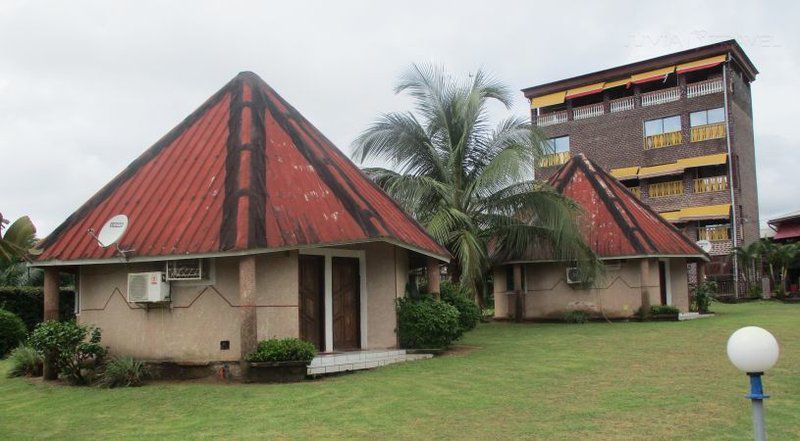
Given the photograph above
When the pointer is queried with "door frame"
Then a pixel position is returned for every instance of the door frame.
(329, 254)
(667, 282)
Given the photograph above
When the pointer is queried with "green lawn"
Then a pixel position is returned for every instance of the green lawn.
(550, 381)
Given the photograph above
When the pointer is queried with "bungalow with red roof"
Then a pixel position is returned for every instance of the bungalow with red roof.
(644, 256)
(242, 223)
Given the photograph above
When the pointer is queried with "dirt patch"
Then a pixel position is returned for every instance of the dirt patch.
(459, 350)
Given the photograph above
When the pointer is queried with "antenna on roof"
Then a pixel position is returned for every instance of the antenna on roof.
(111, 233)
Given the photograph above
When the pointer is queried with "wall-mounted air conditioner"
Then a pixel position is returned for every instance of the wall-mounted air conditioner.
(574, 275)
(148, 287)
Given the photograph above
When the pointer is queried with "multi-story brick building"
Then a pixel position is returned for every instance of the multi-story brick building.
(677, 130)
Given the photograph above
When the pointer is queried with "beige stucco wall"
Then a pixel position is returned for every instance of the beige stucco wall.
(616, 295)
(200, 316)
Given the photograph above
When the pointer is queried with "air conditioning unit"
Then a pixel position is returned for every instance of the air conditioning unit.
(149, 287)
(574, 275)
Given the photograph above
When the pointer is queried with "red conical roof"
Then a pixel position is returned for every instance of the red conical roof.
(616, 223)
(245, 171)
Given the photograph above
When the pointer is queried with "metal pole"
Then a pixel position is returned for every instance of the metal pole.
(757, 397)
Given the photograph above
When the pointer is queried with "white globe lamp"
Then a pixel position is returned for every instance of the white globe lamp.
(754, 350)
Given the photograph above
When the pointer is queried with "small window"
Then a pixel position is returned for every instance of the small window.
(558, 145)
(77, 305)
(188, 270)
(662, 125)
(703, 117)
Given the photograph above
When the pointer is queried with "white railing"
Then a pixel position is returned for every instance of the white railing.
(704, 88)
(621, 104)
(661, 96)
(589, 111)
(551, 118)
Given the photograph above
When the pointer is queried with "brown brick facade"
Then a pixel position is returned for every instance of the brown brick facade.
(616, 140)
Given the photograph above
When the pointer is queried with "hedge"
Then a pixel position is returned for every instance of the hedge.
(28, 303)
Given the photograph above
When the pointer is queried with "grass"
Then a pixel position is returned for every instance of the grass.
(661, 380)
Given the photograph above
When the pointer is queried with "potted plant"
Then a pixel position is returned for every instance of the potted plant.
(664, 313)
(279, 361)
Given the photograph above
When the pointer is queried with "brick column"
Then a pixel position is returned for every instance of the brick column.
(49, 370)
(247, 308)
(519, 296)
(434, 277)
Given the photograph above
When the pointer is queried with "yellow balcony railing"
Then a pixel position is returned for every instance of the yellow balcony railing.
(637, 191)
(708, 131)
(708, 185)
(714, 234)
(662, 189)
(662, 140)
(553, 159)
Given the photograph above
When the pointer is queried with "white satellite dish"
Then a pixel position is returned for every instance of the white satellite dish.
(704, 245)
(113, 230)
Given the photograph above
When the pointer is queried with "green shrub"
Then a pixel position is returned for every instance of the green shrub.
(12, 331)
(25, 361)
(287, 349)
(703, 295)
(28, 303)
(469, 314)
(427, 323)
(579, 317)
(75, 349)
(124, 372)
(664, 310)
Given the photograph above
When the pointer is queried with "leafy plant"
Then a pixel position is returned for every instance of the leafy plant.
(28, 303)
(703, 295)
(468, 181)
(75, 349)
(579, 317)
(17, 240)
(427, 323)
(25, 361)
(664, 310)
(469, 314)
(287, 349)
(12, 331)
(124, 372)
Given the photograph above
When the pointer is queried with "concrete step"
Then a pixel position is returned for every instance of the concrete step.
(358, 360)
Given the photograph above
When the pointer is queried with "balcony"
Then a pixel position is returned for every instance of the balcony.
(708, 131)
(716, 233)
(661, 96)
(704, 88)
(587, 111)
(663, 140)
(553, 159)
(662, 189)
(637, 191)
(621, 104)
(710, 185)
(552, 118)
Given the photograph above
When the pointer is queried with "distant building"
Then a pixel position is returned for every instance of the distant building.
(677, 130)
(644, 255)
(786, 227)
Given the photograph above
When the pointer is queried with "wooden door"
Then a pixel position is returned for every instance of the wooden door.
(312, 300)
(346, 304)
(662, 281)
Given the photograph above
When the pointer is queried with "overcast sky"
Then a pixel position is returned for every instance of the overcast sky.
(85, 87)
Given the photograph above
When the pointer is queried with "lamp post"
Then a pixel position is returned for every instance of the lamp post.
(753, 350)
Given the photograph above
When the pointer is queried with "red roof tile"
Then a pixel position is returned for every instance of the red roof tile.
(244, 171)
(616, 223)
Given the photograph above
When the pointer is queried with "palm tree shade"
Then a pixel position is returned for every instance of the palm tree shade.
(468, 181)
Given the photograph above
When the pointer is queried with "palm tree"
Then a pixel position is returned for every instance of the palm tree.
(749, 260)
(17, 240)
(467, 181)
